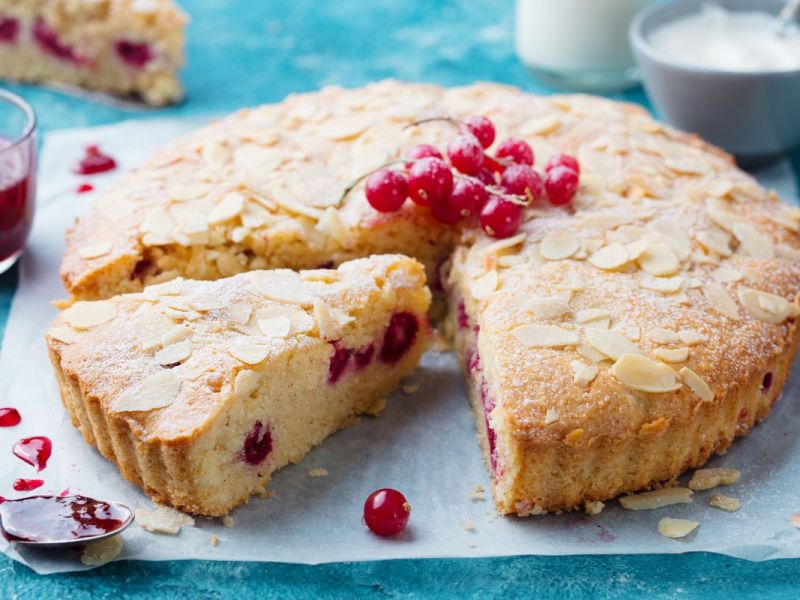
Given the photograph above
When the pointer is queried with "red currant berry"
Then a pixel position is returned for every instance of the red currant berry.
(445, 214)
(563, 160)
(485, 176)
(561, 183)
(430, 181)
(522, 180)
(482, 128)
(386, 190)
(422, 151)
(500, 218)
(467, 198)
(492, 165)
(386, 512)
(516, 150)
(466, 154)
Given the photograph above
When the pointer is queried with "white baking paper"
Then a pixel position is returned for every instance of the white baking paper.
(423, 444)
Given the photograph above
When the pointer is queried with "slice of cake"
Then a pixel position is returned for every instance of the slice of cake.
(124, 47)
(199, 391)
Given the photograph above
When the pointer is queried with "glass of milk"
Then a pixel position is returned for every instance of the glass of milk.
(578, 44)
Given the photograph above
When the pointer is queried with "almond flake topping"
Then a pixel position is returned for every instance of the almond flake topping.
(275, 327)
(545, 336)
(94, 250)
(286, 287)
(558, 245)
(174, 354)
(659, 259)
(590, 353)
(662, 285)
(67, 335)
(754, 243)
(726, 275)
(85, 315)
(610, 257)
(724, 502)
(767, 307)
(240, 312)
(551, 416)
(657, 498)
(715, 241)
(662, 335)
(582, 373)
(609, 342)
(548, 308)
(330, 320)
(720, 300)
(691, 337)
(705, 479)
(671, 355)
(676, 528)
(644, 374)
(697, 384)
(155, 391)
(249, 353)
(245, 383)
(229, 207)
(484, 285)
(590, 314)
(175, 334)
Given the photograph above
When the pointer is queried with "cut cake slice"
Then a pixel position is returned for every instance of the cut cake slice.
(199, 391)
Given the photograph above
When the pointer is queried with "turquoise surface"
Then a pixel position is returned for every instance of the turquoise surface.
(243, 53)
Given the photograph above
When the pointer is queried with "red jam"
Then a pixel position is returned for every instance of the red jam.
(9, 30)
(84, 188)
(94, 161)
(257, 444)
(56, 519)
(34, 451)
(134, 54)
(17, 198)
(9, 417)
(26, 485)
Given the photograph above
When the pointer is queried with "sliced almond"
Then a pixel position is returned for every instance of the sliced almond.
(726, 275)
(548, 308)
(229, 207)
(163, 519)
(155, 391)
(248, 352)
(85, 315)
(610, 257)
(330, 321)
(245, 383)
(691, 337)
(657, 498)
(697, 384)
(102, 551)
(610, 343)
(551, 416)
(659, 260)
(720, 300)
(767, 307)
(705, 479)
(590, 314)
(284, 287)
(174, 354)
(275, 327)
(175, 334)
(558, 245)
(66, 335)
(484, 285)
(345, 127)
(724, 502)
(672, 355)
(240, 312)
(545, 336)
(676, 528)
(754, 243)
(94, 250)
(662, 335)
(644, 374)
(715, 241)
(590, 353)
(582, 373)
(662, 285)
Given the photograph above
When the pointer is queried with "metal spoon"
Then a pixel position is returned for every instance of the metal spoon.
(45, 539)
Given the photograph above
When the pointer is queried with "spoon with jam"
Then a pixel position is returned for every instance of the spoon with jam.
(62, 521)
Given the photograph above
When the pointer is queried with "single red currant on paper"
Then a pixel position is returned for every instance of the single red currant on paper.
(561, 183)
(386, 512)
(386, 190)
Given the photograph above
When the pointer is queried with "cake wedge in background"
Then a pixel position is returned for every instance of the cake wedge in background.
(123, 47)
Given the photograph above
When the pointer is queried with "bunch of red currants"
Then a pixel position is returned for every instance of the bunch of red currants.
(495, 189)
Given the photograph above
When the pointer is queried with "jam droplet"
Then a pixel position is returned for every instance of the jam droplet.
(257, 444)
(9, 417)
(83, 188)
(399, 336)
(34, 451)
(56, 519)
(26, 485)
(94, 161)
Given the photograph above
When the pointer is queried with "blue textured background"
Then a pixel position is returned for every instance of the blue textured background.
(247, 52)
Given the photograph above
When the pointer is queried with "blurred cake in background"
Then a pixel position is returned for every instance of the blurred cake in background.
(124, 47)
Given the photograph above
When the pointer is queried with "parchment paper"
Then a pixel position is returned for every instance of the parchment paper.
(423, 444)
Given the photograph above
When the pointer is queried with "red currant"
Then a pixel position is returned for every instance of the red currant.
(466, 153)
(386, 512)
(386, 190)
(445, 214)
(522, 180)
(561, 183)
(485, 176)
(492, 165)
(482, 128)
(500, 218)
(563, 160)
(516, 150)
(422, 151)
(429, 181)
(467, 198)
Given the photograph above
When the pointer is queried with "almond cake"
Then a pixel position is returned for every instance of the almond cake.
(199, 391)
(608, 345)
(124, 47)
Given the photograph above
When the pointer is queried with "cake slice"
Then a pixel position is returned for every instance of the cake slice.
(124, 47)
(199, 391)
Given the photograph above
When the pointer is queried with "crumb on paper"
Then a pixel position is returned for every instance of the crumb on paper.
(676, 528)
(228, 521)
(213, 540)
(102, 551)
(478, 494)
(593, 507)
(469, 525)
(376, 408)
(705, 479)
(163, 519)
(657, 498)
(470, 544)
(265, 493)
(409, 388)
(724, 502)
(795, 520)
(318, 472)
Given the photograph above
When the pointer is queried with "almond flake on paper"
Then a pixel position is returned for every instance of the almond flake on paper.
(228, 521)
(478, 494)
(163, 519)
(318, 472)
(705, 479)
(469, 525)
(676, 528)
(724, 502)
(657, 498)
(102, 551)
